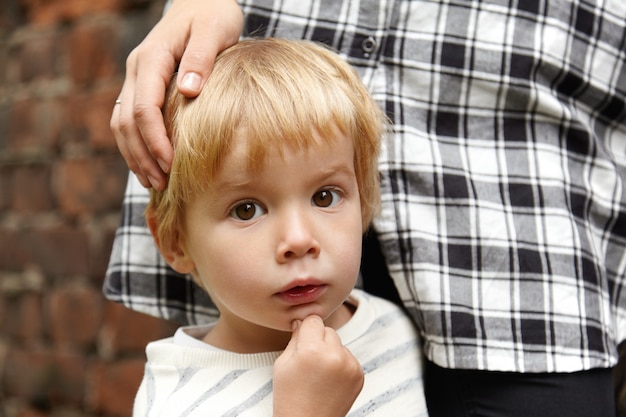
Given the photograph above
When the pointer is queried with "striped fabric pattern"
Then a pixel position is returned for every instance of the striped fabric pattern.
(187, 381)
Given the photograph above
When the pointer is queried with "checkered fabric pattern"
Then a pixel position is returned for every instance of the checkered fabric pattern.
(504, 183)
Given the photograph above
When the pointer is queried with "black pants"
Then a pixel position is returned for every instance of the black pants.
(460, 393)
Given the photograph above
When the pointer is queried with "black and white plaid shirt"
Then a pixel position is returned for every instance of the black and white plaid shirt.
(504, 185)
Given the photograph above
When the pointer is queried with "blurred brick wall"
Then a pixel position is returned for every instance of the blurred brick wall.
(64, 350)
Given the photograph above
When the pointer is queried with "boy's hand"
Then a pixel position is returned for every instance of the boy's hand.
(316, 375)
(191, 33)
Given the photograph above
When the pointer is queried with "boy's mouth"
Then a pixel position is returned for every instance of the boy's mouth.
(302, 294)
(301, 290)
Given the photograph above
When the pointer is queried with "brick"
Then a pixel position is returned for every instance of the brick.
(45, 376)
(113, 386)
(47, 12)
(5, 110)
(93, 51)
(60, 251)
(126, 331)
(90, 114)
(22, 125)
(32, 412)
(74, 317)
(4, 318)
(10, 15)
(36, 57)
(31, 189)
(29, 321)
(24, 324)
(13, 255)
(34, 126)
(6, 174)
(90, 184)
(51, 119)
(101, 252)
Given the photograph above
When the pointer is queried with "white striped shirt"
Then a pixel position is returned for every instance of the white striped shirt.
(184, 380)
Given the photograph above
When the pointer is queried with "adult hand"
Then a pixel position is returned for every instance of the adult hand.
(316, 375)
(191, 34)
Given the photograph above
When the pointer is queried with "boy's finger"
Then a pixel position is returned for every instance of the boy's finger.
(292, 345)
(312, 329)
(331, 337)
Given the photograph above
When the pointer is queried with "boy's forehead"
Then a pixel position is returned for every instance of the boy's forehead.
(265, 139)
(288, 136)
(248, 156)
(258, 152)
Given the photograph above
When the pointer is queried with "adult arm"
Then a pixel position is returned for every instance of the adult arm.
(316, 375)
(190, 35)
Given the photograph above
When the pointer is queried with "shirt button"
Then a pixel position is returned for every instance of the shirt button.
(368, 45)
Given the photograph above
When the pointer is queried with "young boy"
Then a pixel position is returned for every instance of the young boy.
(273, 183)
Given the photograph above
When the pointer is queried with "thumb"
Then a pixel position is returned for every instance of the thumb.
(195, 67)
(207, 38)
(291, 348)
(295, 326)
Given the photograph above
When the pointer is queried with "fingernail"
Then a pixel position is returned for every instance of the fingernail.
(143, 181)
(163, 166)
(295, 324)
(154, 182)
(191, 81)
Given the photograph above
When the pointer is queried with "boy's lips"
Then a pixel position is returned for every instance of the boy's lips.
(303, 293)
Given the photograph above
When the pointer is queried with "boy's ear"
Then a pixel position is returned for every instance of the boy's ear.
(175, 255)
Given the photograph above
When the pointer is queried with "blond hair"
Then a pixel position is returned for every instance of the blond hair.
(282, 93)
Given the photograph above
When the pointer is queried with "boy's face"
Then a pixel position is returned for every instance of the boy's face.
(280, 243)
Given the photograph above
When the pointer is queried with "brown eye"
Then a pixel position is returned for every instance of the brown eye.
(247, 211)
(325, 198)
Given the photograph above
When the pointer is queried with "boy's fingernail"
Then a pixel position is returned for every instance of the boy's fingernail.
(191, 81)
(295, 324)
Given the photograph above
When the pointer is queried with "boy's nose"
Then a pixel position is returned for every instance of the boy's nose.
(297, 238)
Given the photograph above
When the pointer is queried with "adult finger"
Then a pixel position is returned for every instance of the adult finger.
(153, 151)
(123, 128)
(207, 39)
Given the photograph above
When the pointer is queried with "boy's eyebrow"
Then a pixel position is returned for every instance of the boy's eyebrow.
(244, 180)
(231, 183)
(341, 168)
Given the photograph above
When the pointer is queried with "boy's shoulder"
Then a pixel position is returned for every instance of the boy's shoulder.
(376, 317)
